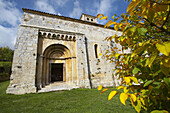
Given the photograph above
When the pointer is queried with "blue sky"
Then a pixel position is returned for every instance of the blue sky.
(11, 12)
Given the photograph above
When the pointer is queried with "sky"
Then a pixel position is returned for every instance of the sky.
(11, 12)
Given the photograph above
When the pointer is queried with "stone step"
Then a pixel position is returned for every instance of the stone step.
(56, 87)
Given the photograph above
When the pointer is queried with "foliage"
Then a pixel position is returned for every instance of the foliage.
(73, 101)
(6, 53)
(145, 70)
(5, 67)
(4, 74)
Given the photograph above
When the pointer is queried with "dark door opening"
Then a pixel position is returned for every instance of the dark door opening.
(56, 72)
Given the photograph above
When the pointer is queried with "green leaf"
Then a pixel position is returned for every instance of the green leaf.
(166, 61)
(157, 84)
(142, 31)
(139, 50)
(133, 29)
(132, 5)
(159, 111)
(135, 70)
(156, 73)
(147, 83)
(167, 81)
(165, 70)
(150, 14)
(152, 58)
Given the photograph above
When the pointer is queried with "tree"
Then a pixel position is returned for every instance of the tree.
(145, 71)
(6, 54)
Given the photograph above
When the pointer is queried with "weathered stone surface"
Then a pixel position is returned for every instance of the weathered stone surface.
(45, 40)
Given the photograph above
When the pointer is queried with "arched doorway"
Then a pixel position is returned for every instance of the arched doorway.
(56, 64)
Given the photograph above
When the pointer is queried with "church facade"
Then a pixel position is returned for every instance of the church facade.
(54, 52)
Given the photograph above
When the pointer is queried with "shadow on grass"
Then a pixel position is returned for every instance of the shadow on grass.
(73, 101)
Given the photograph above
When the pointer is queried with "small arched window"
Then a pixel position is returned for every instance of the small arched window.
(96, 50)
(92, 20)
(87, 18)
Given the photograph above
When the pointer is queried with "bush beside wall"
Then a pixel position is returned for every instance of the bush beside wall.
(4, 76)
(5, 67)
(5, 70)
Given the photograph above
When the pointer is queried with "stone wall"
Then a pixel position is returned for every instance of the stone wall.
(24, 63)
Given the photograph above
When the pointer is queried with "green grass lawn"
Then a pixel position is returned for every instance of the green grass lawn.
(73, 101)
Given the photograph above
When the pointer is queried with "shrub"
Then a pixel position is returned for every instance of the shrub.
(5, 67)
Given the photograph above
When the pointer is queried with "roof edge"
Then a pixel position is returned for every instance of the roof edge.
(63, 17)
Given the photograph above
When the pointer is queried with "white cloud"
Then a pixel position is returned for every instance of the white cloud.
(59, 14)
(9, 13)
(77, 11)
(59, 3)
(8, 36)
(106, 6)
(43, 5)
(9, 20)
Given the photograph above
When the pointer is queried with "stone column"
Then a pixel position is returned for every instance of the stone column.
(39, 74)
(47, 80)
(48, 68)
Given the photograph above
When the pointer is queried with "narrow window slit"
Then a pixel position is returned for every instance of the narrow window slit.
(96, 50)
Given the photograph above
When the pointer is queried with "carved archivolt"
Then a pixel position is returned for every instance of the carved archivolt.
(57, 51)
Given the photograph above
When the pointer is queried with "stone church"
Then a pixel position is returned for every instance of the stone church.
(55, 52)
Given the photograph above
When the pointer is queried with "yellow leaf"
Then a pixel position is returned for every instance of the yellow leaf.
(132, 102)
(117, 55)
(138, 106)
(162, 48)
(99, 15)
(118, 71)
(127, 80)
(140, 44)
(104, 90)
(142, 100)
(134, 79)
(112, 23)
(100, 87)
(123, 98)
(132, 5)
(126, 90)
(120, 87)
(167, 46)
(112, 94)
(116, 27)
(133, 97)
(105, 17)
(159, 111)
(106, 25)
(100, 54)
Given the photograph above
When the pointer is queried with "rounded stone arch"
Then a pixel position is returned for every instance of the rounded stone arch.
(57, 49)
(59, 56)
